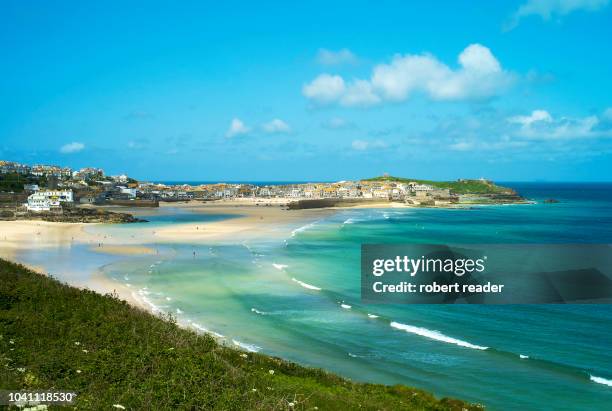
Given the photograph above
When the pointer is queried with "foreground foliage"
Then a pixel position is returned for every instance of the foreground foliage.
(53, 336)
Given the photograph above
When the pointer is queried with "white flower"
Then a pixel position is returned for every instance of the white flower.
(291, 404)
(271, 372)
(78, 371)
(11, 342)
(85, 351)
(119, 406)
(244, 355)
(21, 369)
(254, 390)
(77, 343)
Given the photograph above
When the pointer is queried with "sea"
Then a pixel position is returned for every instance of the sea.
(298, 297)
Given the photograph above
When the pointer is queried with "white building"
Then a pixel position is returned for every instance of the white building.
(47, 200)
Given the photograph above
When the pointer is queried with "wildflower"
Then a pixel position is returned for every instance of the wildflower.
(119, 406)
(271, 372)
(21, 369)
(77, 343)
(85, 351)
(11, 342)
(291, 404)
(254, 390)
(78, 371)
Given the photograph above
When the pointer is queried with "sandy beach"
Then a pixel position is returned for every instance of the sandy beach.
(251, 219)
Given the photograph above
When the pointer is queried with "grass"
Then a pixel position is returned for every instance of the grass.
(54, 336)
(457, 187)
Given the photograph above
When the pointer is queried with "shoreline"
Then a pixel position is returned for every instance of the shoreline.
(248, 221)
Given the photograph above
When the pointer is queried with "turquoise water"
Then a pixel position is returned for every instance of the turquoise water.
(298, 298)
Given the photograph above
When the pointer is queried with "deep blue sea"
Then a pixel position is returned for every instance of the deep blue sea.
(298, 297)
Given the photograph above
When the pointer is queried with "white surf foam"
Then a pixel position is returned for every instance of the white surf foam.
(349, 221)
(300, 229)
(306, 285)
(279, 266)
(179, 311)
(523, 357)
(206, 330)
(345, 306)
(600, 380)
(248, 347)
(372, 316)
(256, 311)
(435, 335)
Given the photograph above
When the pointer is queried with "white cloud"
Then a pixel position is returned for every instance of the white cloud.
(541, 125)
(462, 146)
(332, 58)
(535, 116)
(360, 93)
(548, 9)
(325, 88)
(362, 145)
(479, 75)
(237, 127)
(336, 123)
(73, 147)
(276, 126)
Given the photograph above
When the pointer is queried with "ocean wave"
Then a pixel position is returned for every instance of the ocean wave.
(349, 221)
(372, 316)
(306, 285)
(179, 311)
(600, 380)
(206, 330)
(302, 228)
(256, 311)
(435, 335)
(523, 357)
(346, 306)
(245, 346)
(279, 266)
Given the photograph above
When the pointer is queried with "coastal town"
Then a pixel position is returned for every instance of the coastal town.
(50, 188)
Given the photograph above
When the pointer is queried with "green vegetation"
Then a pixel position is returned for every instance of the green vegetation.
(53, 336)
(13, 182)
(457, 187)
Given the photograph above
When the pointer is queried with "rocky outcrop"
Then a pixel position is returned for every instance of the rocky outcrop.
(72, 215)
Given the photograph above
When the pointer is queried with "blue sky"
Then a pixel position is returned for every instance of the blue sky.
(515, 90)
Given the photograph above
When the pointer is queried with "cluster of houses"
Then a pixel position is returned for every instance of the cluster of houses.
(64, 186)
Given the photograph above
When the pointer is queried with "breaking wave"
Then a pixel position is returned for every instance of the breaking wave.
(306, 285)
(435, 335)
(245, 346)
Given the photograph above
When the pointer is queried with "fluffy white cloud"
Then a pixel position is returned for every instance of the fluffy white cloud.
(325, 88)
(237, 127)
(548, 9)
(359, 93)
(73, 147)
(479, 75)
(541, 125)
(332, 58)
(276, 126)
(362, 145)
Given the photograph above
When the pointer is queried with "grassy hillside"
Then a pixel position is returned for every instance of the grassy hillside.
(53, 336)
(458, 187)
